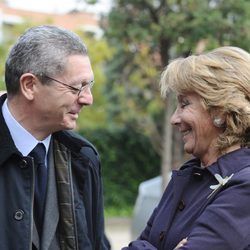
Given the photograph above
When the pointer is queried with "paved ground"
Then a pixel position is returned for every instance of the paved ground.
(118, 232)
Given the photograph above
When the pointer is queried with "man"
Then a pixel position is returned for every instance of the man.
(50, 183)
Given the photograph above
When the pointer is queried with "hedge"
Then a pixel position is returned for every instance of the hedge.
(127, 159)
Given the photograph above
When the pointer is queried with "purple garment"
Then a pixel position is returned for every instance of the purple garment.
(217, 222)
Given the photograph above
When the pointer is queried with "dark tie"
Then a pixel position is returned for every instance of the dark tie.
(38, 153)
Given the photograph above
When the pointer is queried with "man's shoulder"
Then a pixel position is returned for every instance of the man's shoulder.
(76, 143)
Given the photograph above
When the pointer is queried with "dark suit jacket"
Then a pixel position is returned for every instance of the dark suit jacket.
(84, 192)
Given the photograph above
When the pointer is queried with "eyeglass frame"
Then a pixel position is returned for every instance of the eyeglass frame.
(85, 84)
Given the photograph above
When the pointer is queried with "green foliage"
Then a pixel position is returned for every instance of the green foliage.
(127, 159)
(126, 211)
(147, 34)
(96, 115)
(90, 1)
(10, 34)
(2, 55)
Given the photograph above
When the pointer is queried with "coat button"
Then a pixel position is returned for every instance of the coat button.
(19, 214)
(181, 205)
(23, 163)
(162, 236)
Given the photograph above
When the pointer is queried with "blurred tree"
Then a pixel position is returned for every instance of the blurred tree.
(3, 56)
(10, 36)
(146, 34)
(123, 165)
(95, 116)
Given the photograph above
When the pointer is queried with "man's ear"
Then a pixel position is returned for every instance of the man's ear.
(27, 85)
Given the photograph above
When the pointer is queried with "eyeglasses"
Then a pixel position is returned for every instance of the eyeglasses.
(77, 91)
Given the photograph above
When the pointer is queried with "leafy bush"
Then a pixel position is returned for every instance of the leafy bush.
(127, 159)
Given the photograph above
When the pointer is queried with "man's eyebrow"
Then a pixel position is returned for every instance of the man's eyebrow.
(84, 81)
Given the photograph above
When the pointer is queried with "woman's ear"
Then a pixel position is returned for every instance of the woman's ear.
(27, 85)
(218, 119)
(218, 122)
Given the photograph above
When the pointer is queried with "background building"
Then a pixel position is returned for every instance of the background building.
(74, 20)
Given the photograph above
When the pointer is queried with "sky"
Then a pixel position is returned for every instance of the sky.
(59, 6)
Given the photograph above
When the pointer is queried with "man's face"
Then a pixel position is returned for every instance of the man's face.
(57, 105)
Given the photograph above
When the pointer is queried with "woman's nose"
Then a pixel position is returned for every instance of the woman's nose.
(175, 119)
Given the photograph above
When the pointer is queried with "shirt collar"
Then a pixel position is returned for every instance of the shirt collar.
(20, 135)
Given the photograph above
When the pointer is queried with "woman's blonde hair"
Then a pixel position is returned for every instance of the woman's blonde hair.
(222, 78)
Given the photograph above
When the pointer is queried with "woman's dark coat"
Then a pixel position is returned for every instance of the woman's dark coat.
(211, 220)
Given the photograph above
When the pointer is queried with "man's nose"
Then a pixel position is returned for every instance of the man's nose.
(86, 97)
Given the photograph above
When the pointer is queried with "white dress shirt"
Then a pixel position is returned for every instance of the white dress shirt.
(24, 141)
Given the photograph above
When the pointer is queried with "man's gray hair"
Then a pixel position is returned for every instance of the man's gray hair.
(41, 50)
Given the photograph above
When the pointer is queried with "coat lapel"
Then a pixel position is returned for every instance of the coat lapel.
(35, 237)
(180, 181)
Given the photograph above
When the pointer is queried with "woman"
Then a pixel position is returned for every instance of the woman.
(206, 205)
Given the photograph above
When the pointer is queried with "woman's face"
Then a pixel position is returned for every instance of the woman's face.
(197, 128)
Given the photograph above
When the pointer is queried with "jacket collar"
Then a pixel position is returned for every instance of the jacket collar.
(8, 147)
(231, 163)
(226, 165)
(73, 141)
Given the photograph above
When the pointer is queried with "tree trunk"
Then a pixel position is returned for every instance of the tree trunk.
(167, 159)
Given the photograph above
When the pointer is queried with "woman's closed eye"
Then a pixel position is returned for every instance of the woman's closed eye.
(184, 103)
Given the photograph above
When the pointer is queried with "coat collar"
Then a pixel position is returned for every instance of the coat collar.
(231, 163)
(8, 147)
(226, 165)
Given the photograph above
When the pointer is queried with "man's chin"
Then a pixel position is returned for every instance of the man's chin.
(69, 126)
